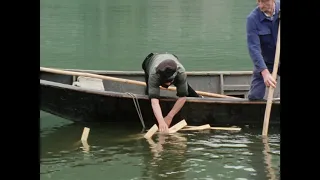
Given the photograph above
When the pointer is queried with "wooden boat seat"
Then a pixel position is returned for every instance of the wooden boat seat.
(88, 82)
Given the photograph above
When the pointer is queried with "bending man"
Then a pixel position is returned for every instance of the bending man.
(164, 70)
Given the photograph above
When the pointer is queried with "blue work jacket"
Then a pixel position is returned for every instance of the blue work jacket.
(262, 32)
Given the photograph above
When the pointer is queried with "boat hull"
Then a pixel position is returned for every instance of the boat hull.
(89, 105)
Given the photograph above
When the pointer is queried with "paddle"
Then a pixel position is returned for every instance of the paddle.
(58, 71)
(271, 89)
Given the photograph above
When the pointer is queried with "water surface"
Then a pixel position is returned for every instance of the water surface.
(115, 151)
(117, 35)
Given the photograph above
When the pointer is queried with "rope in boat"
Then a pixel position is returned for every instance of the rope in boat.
(136, 104)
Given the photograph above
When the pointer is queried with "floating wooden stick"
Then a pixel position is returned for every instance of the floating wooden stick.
(171, 130)
(226, 128)
(178, 126)
(85, 134)
(151, 131)
(193, 128)
(85, 145)
(217, 128)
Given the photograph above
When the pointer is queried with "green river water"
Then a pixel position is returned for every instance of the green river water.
(117, 35)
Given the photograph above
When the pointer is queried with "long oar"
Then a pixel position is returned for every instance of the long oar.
(271, 89)
(73, 73)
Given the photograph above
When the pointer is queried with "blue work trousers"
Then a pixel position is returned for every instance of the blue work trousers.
(258, 88)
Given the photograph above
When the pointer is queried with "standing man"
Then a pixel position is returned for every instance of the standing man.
(164, 70)
(262, 31)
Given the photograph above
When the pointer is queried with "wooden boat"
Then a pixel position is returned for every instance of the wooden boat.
(85, 99)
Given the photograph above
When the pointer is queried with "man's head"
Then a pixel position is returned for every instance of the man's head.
(266, 6)
(167, 70)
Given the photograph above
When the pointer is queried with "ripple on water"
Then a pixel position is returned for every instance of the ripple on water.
(218, 145)
(209, 156)
(247, 153)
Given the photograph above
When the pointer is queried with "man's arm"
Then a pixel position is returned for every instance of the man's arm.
(154, 95)
(157, 110)
(177, 107)
(253, 42)
(182, 92)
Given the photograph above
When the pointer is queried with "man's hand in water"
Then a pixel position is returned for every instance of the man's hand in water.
(163, 127)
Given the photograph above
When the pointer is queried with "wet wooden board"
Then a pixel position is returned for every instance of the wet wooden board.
(226, 128)
(85, 134)
(194, 128)
(218, 128)
(171, 130)
(178, 126)
(151, 131)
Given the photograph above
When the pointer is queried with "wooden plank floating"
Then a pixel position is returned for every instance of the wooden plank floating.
(214, 128)
(178, 126)
(85, 134)
(151, 131)
(182, 125)
(85, 145)
(171, 130)
(226, 128)
(193, 128)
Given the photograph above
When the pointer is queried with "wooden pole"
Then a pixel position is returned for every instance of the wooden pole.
(73, 73)
(271, 89)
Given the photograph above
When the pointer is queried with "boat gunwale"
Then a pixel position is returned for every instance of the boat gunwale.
(145, 97)
(192, 73)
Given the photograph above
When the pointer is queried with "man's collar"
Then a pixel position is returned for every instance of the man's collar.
(264, 16)
(274, 12)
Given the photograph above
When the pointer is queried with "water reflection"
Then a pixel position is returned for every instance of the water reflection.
(169, 156)
(111, 151)
(85, 146)
(270, 170)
